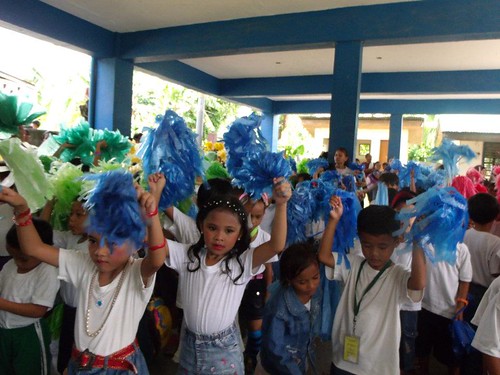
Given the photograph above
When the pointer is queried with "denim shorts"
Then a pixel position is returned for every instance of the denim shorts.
(216, 353)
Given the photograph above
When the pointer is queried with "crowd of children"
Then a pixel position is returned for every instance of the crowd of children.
(239, 313)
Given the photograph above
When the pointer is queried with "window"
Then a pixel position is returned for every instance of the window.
(364, 148)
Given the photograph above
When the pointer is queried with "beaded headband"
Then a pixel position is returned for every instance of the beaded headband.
(225, 203)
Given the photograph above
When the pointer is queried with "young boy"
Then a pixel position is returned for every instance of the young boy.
(28, 288)
(484, 247)
(366, 329)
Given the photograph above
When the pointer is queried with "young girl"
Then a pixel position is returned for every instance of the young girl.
(291, 317)
(213, 274)
(341, 159)
(113, 288)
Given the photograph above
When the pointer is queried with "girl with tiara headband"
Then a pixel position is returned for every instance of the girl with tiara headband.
(113, 287)
(213, 274)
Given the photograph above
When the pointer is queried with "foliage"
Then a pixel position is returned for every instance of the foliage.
(419, 152)
(152, 96)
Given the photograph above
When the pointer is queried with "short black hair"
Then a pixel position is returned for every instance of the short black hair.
(43, 228)
(483, 208)
(389, 178)
(377, 220)
(295, 259)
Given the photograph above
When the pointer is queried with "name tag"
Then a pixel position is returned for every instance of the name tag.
(351, 349)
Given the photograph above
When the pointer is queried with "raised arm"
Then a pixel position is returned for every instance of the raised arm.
(29, 240)
(325, 255)
(418, 275)
(282, 192)
(157, 182)
(158, 248)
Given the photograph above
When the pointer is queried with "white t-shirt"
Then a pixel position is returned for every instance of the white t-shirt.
(442, 283)
(267, 221)
(120, 328)
(210, 298)
(404, 258)
(6, 213)
(38, 286)
(262, 237)
(67, 240)
(487, 318)
(183, 227)
(378, 323)
(484, 249)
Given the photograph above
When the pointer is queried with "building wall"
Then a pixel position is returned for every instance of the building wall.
(373, 130)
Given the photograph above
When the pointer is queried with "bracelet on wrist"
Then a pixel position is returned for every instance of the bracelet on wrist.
(151, 214)
(157, 247)
(463, 300)
(20, 215)
(24, 223)
(97, 153)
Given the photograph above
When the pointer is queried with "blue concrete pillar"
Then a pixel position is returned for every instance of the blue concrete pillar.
(395, 130)
(269, 127)
(110, 102)
(345, 97)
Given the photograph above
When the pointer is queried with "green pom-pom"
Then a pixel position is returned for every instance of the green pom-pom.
(46, 162)
(66, 184)
(216, 170)
(14, 113)
(117, 146)
(80, 137)
(29, 176)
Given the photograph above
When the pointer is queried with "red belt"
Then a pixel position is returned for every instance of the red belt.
(117, 361)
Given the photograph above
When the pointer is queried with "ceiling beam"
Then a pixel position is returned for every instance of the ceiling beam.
(445, 106)
(383, 24)
(45, 22)
(472, 81)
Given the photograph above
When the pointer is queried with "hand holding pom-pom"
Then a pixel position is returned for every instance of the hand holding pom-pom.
(156, 183)
(282, 191)
(337, 208)
(14, 199)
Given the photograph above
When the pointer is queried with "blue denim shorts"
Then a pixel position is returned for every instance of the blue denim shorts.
(214, 354)
(408, 337)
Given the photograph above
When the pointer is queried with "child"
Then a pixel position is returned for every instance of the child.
(291, 317)
(113, 287)
(484, 247)
(28, 288)
(487, 338)
(445, 295)
(341, 159)
(366, 329)
(213, 274)
(254, 298)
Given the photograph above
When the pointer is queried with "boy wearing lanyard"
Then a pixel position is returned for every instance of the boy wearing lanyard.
(366, 329)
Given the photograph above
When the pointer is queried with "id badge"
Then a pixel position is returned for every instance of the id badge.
(351, 349)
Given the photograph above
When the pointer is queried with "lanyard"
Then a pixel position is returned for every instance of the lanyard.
(357, 304)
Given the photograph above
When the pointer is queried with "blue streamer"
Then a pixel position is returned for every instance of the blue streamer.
(396, 166)
(256, 174)
(293, 164)
(114, 211)
(405, 174)
(450, 154)
(299, 213)
(442, 219)
(172, 149)
(314, 165)
(382, 197)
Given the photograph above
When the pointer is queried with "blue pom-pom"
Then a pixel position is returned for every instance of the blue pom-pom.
(256, 174)
(293, 164)
(405, 174)
(114, 211)
(314, 165)
(349, 183)
(243, 137)
(450, 154)
(171, 148)
(382, 197)
(442, 219)
(298, 214)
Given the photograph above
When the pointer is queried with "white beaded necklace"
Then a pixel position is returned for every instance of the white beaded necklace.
(91, 288)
